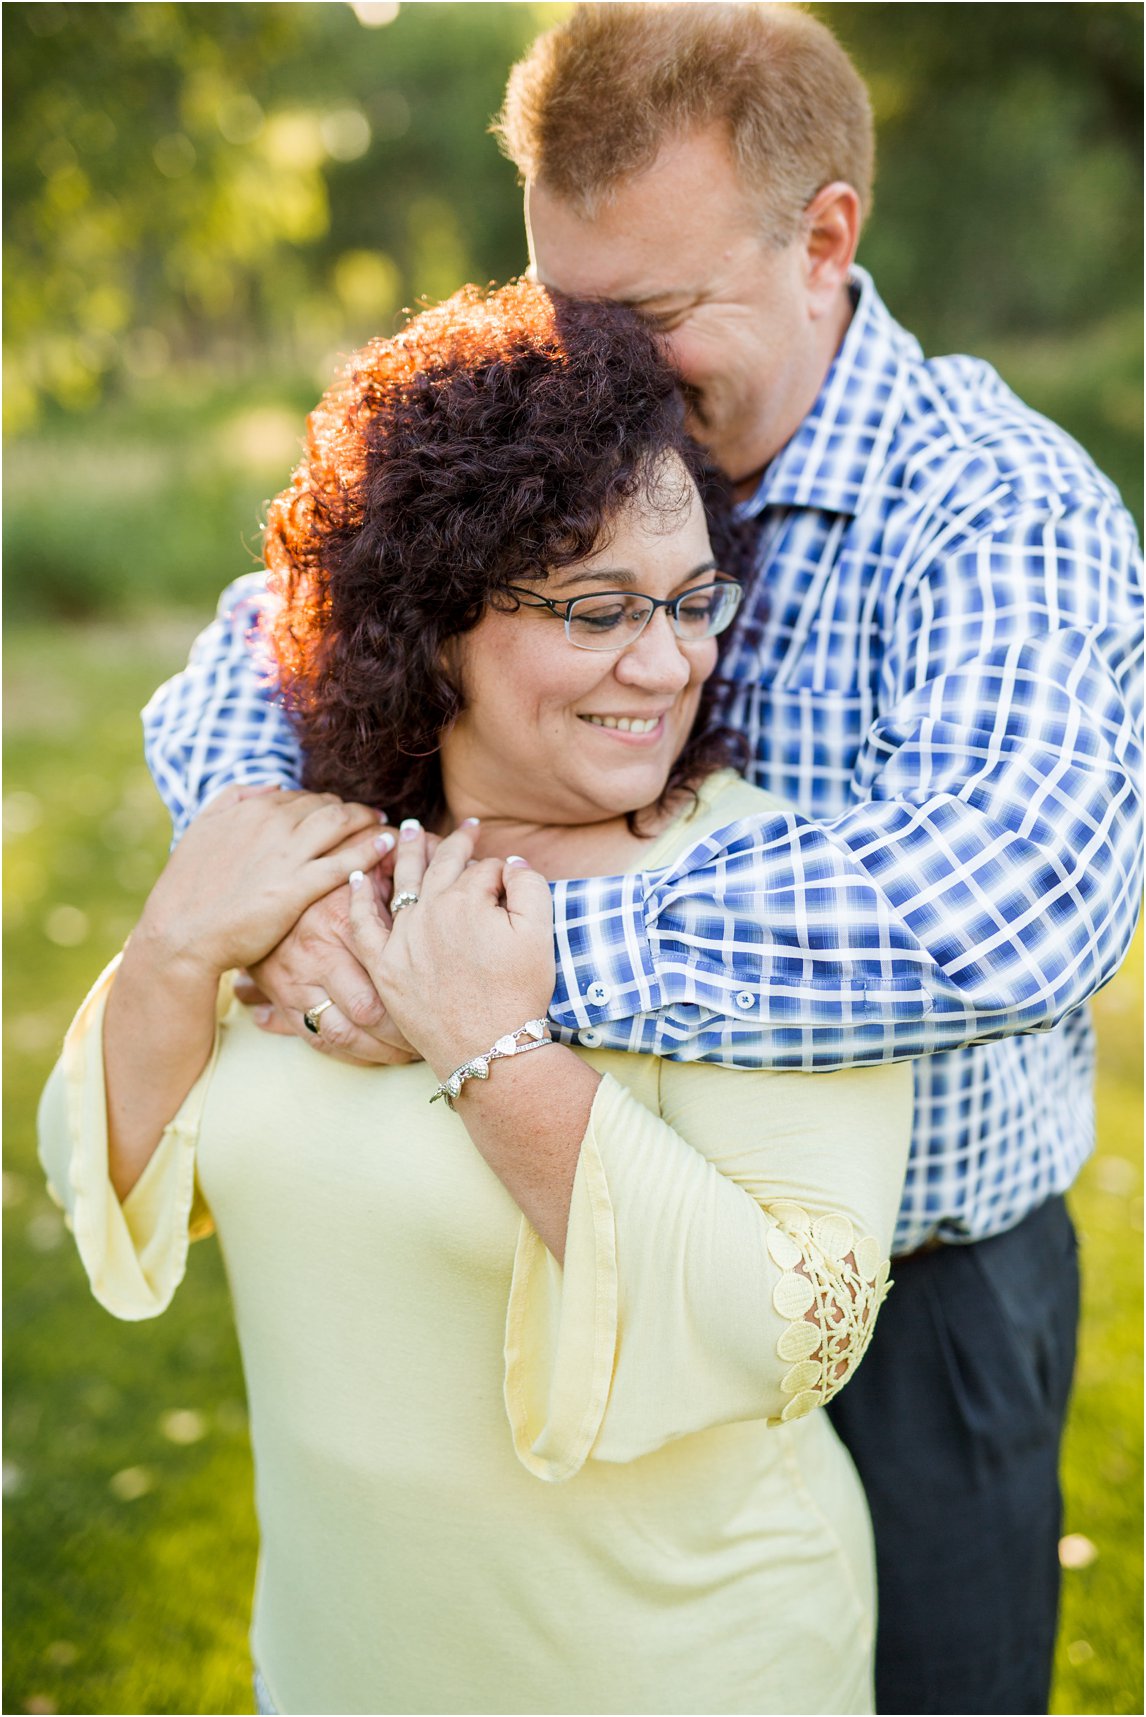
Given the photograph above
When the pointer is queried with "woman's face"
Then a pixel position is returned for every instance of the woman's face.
(534, 741)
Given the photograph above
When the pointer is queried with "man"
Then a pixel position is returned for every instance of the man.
(939, 668)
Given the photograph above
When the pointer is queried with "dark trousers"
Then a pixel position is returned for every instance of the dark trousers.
(954, 1421)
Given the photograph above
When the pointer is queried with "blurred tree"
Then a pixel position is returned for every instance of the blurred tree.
(206, 203)
(1009, 184)
(188, 181)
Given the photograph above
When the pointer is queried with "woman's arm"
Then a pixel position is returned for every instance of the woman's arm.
(249, 864)
(725, 1259)
(469, 964)
(722, 1235)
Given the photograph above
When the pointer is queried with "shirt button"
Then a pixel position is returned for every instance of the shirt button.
(589, 1038)
(745, 999)
(598, 994)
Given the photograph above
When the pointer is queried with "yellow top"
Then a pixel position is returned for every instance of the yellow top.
(486, 1483)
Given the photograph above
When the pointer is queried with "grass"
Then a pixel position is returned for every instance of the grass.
(130, 1533)
(165, 491)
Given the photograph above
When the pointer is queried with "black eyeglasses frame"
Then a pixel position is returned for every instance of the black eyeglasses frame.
(562, 608)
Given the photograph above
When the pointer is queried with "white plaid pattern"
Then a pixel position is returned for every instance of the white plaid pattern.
(939, 667)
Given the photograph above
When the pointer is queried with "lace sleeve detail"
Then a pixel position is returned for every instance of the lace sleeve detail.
(832, 1287)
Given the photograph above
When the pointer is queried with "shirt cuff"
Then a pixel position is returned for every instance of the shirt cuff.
(605, 967)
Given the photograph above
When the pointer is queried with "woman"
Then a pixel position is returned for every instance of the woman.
(514, 1261)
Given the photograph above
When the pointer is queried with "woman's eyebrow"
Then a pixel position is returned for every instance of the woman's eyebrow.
(618, 577)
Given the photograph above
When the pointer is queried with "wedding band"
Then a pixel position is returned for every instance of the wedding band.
(407, 897)
(312, 1016)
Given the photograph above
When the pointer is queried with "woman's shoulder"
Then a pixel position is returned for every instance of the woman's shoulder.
(723, 798)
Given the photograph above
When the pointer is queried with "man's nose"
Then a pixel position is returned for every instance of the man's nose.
(655, 661)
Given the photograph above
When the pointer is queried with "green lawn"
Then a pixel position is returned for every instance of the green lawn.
(130, 1537)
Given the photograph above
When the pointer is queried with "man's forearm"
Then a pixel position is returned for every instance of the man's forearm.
(993, 900)
(219, 722)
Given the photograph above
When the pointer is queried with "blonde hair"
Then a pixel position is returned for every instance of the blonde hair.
(595, 98)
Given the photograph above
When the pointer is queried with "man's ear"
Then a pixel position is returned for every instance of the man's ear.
(831, 229)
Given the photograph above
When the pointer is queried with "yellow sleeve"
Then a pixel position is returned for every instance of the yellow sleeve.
(725, 1260)
(134, 1253)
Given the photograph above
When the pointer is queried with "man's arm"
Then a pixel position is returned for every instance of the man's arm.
(985, 882)
(218, 722)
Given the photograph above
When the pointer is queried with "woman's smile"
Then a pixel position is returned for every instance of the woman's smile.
(532, 695)
(629, 727)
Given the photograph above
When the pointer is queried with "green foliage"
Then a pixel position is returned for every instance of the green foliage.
(190, 184)
(1009, 186)
(130, 1533)
(207, 203)
(128, 1592)
(164, 499)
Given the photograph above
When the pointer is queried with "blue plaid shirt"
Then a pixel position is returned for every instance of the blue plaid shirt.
(938, 666)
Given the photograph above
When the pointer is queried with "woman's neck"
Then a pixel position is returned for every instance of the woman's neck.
(559, 850)
(564, 850)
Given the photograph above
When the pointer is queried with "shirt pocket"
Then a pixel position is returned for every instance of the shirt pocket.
(804, 741)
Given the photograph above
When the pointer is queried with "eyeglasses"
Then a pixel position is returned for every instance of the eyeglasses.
(611, 619)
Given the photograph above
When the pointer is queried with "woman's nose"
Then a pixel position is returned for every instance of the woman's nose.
(655, 661)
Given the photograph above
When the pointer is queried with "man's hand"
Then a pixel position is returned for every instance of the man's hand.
(312, 964)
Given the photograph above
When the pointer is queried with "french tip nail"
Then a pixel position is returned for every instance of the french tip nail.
(515, 858)
(471, 822)
(356, 879)
(410, 826)
(383, 842)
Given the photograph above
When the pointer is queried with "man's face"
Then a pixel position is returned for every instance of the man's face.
(682, 244)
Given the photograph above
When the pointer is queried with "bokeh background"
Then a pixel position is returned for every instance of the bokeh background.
(205, 205)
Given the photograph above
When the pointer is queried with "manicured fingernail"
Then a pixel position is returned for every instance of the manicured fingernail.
(410, 828)
(383, 816)
(514, 859)
(383, 843)
(262, 1015)
(471, 822)
(356, 878)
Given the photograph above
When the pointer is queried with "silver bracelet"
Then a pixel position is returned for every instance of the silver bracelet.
(535, 1035)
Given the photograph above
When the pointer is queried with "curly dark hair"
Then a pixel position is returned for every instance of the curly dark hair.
(491, 442)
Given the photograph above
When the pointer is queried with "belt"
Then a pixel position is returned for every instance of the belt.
(932, 1245)
(1041, 1211)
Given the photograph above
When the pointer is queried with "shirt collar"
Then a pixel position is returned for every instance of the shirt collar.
(834, 459)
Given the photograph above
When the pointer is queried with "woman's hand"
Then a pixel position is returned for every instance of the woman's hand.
(246, 869)
(471, 961)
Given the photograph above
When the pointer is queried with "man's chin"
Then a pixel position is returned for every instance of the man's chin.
(704, 427)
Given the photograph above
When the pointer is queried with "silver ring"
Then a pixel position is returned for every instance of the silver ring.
(405, 898)
(312, 1016)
